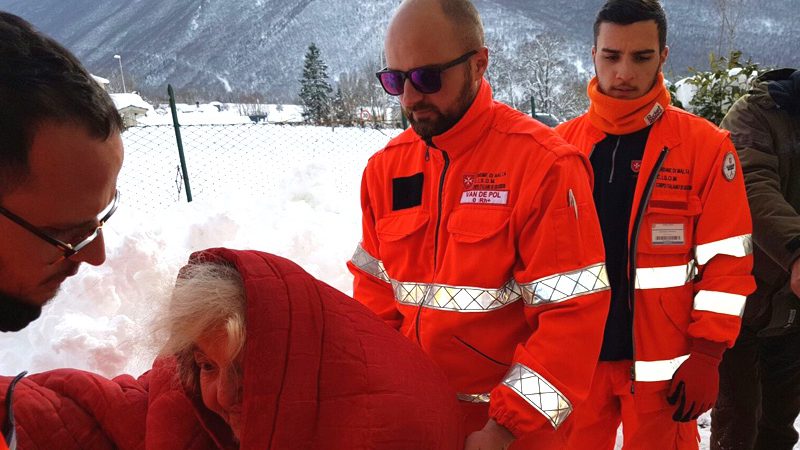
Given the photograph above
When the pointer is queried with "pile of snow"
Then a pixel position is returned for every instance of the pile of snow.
(202, 114)
(216, 113)
(295, 193)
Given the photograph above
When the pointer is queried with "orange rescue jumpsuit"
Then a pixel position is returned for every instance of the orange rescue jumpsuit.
(483, 247)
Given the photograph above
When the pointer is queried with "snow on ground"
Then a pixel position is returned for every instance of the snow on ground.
(289, 190)
(217, 113)
(293, 191)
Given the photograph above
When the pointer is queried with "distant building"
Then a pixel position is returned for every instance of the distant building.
(102, 82)
(131, 107)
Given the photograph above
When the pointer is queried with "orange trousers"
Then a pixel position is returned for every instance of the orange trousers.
(594, 423)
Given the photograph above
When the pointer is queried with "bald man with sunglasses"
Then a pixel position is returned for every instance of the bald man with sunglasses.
(480, 239)
(60, 153)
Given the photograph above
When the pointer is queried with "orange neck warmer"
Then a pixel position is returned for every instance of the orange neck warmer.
(618, 116)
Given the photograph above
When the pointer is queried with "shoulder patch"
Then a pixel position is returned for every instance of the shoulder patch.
(729, 166)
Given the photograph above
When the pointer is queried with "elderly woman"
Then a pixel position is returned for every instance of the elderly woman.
(261, 356)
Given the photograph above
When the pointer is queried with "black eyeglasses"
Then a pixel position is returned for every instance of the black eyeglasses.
(67, 248)
(426, 80)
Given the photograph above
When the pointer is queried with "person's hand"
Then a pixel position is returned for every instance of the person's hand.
(492, 437)
(695, 384)
(795, 280)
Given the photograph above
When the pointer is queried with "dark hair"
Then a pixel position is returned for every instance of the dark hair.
(40, 80)
(626, 12)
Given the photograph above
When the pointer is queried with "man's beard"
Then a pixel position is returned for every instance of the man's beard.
(433, 127)
(16, 314)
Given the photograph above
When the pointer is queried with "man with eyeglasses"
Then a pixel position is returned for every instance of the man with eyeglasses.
(60, 153)
(480, 240)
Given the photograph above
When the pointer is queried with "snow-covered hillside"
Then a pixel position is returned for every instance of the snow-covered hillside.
(250, 46)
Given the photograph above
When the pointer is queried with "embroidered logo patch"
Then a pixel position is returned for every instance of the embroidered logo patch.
(485, 187)
(729, 166)
(486, 197)
(654, 114)
(469, 182)
(668, 234)
(636, 165)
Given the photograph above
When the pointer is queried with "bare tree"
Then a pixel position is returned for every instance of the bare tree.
(540, 68)
(504, 71)
(730, 17)
(544, 63)
(361, 93)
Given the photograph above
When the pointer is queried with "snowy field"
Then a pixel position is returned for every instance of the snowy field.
(288, 190)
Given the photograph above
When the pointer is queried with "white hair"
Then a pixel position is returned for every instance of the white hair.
(207, 296)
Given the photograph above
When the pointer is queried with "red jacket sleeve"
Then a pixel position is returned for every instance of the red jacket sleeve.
(723, 251)
(561, 271)
(73, 409)
(371, 285)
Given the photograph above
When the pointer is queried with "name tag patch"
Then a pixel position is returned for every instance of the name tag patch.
(486, 197)
(668, 234)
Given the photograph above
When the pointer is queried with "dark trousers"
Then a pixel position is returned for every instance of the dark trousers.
(759, 394)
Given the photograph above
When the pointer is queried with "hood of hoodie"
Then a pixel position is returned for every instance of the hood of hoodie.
(778, 89)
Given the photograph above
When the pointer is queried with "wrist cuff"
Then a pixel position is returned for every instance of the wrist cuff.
(709, 348)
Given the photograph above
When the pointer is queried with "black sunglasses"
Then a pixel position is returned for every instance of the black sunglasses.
(426, 80)
(67, 248)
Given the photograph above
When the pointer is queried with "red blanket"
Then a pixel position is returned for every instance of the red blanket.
(320, 372)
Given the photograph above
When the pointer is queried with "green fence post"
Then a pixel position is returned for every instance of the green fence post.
(403, 119)
(533, 107)
(177, 126)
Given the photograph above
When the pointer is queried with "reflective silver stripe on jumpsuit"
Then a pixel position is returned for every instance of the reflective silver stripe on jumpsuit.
(660, 370)
(539, 393)
(738, 246)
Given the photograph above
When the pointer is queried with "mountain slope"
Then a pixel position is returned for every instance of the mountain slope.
(257, 46)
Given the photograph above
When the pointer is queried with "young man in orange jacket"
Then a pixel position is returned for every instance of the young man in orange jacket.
(676, 226)
(480, 239)
(60, 153)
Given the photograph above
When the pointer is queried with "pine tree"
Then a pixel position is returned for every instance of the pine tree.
(314, 88)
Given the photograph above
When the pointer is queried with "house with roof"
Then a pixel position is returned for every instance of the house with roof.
(131, 107)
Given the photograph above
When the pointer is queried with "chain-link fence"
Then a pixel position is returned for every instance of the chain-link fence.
(247, 158)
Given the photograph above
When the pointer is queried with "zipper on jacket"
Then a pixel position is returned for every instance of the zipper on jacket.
(648, 191)
(439, 211)
(614, 160)
(436, 234)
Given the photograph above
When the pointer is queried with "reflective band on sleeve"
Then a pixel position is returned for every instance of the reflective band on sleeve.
(455, 298)
(539, 393)
(661, 370)
(737, 246)
(664, 277)
(369, 264)
(473, 398)
(720, 302)
(564, 286)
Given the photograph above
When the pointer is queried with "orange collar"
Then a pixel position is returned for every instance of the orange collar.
(471, 128)
(618, 117)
